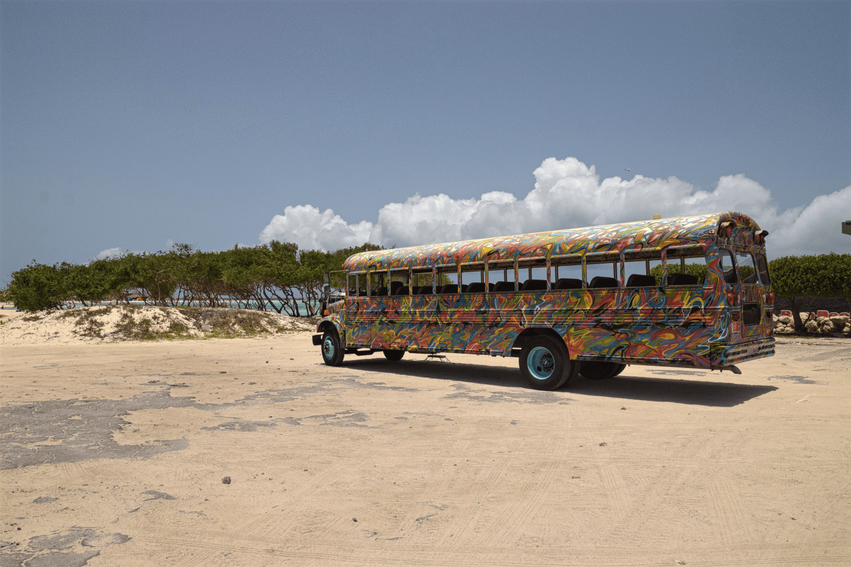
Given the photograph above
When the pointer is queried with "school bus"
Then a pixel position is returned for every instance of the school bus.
(690, 291)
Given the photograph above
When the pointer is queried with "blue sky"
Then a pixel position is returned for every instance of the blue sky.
(131, 125)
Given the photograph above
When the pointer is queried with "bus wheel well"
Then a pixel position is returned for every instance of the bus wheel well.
(527, 334)
(327, 326)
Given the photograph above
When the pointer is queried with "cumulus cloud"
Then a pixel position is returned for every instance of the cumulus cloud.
(314, 230)
(108, 253)
(567, 194)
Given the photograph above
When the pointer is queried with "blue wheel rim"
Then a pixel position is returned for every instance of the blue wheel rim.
(540, 363)
(328, 348)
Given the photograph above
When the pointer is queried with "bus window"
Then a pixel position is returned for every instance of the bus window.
(686, 266)
(747, 269)
(566, 273)
(447, 280)
(502, 275)
(762, 267)
(637, 274)
(398, 284)
(356, 285)
(421, 282)
(602, 271)
(377, 283)
(472, 274)
(727, 266)
(656, 268)
(532, 274)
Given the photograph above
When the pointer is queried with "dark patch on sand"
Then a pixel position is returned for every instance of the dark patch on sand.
(71, 548)
(65, 431)
(239, 426)
(157, 495)
(83, 427)
(348, 418)
(797, 379)
(520, 397)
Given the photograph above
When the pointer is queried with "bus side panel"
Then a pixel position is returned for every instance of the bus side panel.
(676, 326)
(394, 322)
(643, 326)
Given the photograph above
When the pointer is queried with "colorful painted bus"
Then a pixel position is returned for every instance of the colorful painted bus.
(686, 291)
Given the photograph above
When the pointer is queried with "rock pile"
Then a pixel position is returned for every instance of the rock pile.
(815, 325)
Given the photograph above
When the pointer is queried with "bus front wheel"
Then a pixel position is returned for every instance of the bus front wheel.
(394, 355)
(332, 350)
(545, 363)
(595, 370)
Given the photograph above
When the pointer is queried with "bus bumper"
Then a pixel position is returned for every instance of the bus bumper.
(735, 354)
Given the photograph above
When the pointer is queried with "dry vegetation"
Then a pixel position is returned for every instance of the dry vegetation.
(113, 323)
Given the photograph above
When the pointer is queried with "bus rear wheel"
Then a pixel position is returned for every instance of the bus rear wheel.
(545, 363)
(394, 355)
(595, 370)
(332, 350)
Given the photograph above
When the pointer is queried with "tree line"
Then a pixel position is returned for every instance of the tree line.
(272, 277)
(798, 279)
(280, 277)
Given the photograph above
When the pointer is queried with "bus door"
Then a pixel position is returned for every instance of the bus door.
(748, 299)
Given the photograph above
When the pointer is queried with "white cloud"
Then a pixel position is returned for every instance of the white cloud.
(108, 253)
(314, 230)
(815, 229)
(567, 194)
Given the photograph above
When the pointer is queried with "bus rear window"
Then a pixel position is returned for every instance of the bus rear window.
(728, 267)
(762, 266)
(747, 269)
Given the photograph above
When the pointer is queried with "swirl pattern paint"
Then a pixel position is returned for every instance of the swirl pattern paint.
(695, 325)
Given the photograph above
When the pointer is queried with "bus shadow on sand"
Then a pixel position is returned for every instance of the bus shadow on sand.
(694, 391)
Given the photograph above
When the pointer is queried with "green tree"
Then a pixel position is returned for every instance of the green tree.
(39, 286)
(799, 278)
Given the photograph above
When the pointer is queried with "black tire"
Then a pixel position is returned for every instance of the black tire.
(332, 350)
(595, 370)
(545, 363)
(394, 355)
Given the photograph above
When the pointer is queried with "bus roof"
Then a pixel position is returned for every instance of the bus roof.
(633, 236)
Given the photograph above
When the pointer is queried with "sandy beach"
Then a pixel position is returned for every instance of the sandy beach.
(251, 452)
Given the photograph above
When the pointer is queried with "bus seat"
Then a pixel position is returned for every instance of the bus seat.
(730, 276)
(449, 288)
(640, 280)
(603, 281)
(381, 291)
(404, 290)
(476, 287)
(568, 283)
(424, 290)
(503, 286)
(395, 287)
(463, 288)
(534, 285)
(682, 279)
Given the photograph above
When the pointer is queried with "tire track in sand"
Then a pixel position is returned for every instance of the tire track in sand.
(275, 515)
